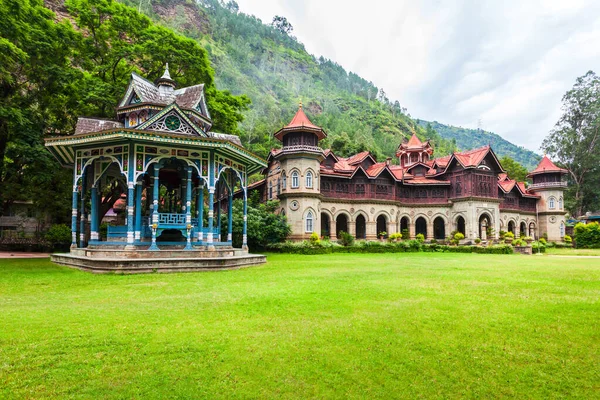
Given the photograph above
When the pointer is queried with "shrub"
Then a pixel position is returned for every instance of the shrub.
(314, 239)
(587, 235)
(458, 236)
(527, 238)
(518, 242)
(345, 239)
(59, 234)
(405, 234)
(501, 234)
(382, 234)
(477, 241)
(538, 247)
(433, 241)
(395, 236)
(568, 239)
(543, 241)
(420, 238)
(509, 235)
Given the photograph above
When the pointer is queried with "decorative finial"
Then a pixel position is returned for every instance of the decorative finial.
(166, 75)
(300, 104)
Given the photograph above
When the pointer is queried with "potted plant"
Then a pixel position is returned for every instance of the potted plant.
(508, 237)
(458, 237)
(382, 235)
(477, 241)
(528, 239)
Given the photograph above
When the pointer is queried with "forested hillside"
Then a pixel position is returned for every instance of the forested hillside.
(270, 66)
(470, 138)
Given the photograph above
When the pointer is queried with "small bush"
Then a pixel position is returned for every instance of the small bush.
(59, 234)
(405, 234)
(568, 239)
(587, 235)
(543, 241)
(314, 239)
(458, 236)
(518, 242)
(420, 238)
(477, 241)
(395, 236)
(433, 241)
(509, 235)
(345, 239)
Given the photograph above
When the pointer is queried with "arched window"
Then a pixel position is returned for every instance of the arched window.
(309, 179)
(309, 222)
(132, 119)
(284, 182)
(560, 203)
(270, 190)
(143, 116)
(551, 204)
(295, 180)
(562, 229)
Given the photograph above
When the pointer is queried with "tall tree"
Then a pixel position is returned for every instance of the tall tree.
(514, 169)
(575, 140)
(282, 25)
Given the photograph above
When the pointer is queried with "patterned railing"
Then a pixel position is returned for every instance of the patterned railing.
(547, 185)
(171, 219)
(291, 149)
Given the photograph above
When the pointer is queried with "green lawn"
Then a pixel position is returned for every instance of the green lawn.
(573, 252)
(332, 326)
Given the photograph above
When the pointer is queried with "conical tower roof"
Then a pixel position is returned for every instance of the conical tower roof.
(546, 166)
(300, 122)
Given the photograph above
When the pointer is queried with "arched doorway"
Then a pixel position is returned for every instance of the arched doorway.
(381, 225)
(361, 227)
(341, 224)
(325, 225)
(511, 227)
(523, 229)
(421, 226)
(485, 221)
(404, 225)
(439, 228)
(460, 225)
(532, 230)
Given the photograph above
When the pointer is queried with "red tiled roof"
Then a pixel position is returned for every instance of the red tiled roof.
(507, 185)
(425, 181)
(523, 189)
(472, 158)
(503, 177)
(546, 166)
(442, 161)
(358, 158)
(300, 122)
(414, 141)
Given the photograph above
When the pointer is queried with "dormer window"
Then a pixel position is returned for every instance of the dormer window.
(133, 119)
(135, 99)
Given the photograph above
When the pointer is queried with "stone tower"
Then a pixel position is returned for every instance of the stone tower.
(298, 179)
(549, 185)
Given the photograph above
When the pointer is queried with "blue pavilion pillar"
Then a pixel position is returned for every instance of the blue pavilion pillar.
(130, 211)
(245, 227)
(138, 210)
(230, 216)
(211, 213)
(155, 193)
(74, 216)
(200, 210)
(188, 209)
(94, 219)
(82, 213)
(218, 215)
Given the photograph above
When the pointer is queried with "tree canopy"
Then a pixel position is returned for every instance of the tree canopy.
(575, 143)
(52, 71)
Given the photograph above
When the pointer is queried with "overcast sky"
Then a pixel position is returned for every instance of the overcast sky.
(504, 62)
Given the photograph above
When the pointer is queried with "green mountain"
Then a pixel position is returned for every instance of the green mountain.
(267, 63)
(471, 138)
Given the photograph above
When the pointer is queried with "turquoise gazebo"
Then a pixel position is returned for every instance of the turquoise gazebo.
(171, 168)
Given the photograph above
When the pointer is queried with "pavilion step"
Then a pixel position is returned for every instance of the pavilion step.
(147, 265)
(104, 253)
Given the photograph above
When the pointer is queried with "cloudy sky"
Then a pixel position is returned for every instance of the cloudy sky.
(505, 63)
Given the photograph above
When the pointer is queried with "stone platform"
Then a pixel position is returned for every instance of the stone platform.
(99, 260)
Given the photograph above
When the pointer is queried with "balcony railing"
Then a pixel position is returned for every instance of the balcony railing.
(297, 148)
(544, 185)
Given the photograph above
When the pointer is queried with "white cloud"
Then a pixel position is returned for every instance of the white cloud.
(507, 63)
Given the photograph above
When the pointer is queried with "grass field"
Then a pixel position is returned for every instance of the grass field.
(573, 252)
(333, 326)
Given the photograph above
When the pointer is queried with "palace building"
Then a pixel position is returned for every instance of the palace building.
(466, 191)
(171, 169)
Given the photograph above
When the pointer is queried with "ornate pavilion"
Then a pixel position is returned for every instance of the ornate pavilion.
(172, 169)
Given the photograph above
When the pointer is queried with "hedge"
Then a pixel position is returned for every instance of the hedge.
(587, 235)
(407, 246)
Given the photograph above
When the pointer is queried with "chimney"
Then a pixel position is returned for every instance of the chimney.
(388, 161)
